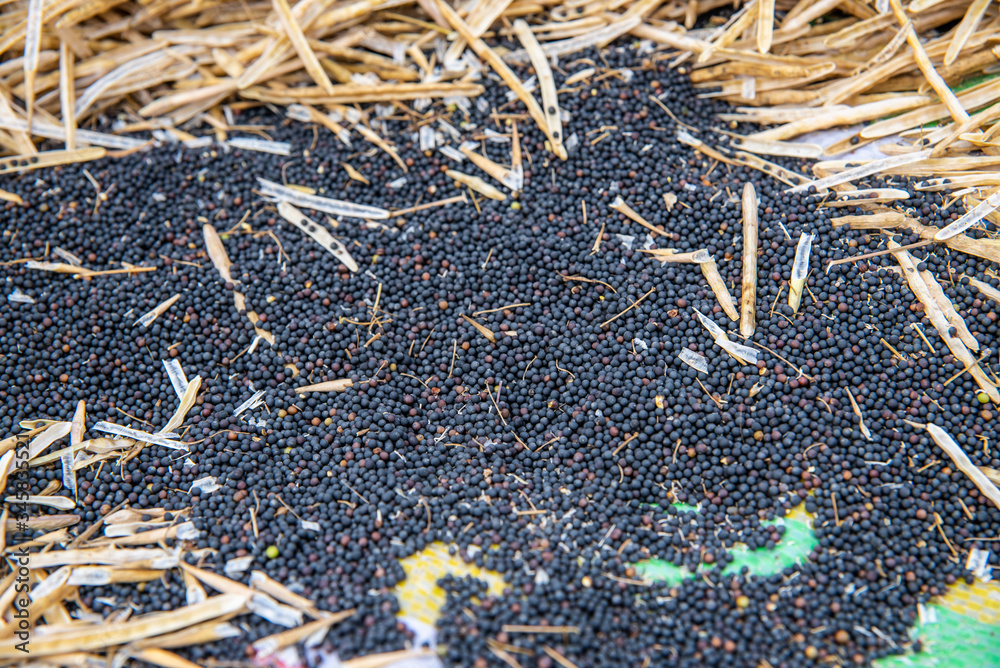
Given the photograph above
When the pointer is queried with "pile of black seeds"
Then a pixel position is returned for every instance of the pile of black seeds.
(416, 452)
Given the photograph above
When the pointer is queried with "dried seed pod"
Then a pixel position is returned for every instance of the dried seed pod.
(318, 233)
(748, 298)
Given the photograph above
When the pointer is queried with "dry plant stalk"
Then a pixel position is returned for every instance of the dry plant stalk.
(220, 259)
(711, 272)
(985, 289)
(948, 309)
(157, 311)
(547, 84)
(503, 175)
(857, 411)
(278, 641)
(621, 207)
(748, 298)
(298, 39)
(500, 67)
(85, 637)
(24, 163)
(927, 67)
(964, 464)
(941, 323)
(386, 658)
(765, 25)
(477, 184)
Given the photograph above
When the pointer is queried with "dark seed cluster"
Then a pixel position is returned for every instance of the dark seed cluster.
(552, 456)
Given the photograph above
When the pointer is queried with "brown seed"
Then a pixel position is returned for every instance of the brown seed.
(811, 652)
(443, 305)
(842, 637)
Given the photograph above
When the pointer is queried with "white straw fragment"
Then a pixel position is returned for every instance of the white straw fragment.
(205, 485)
(738, 350)
(452, 152)
(708, 324)
(693, 360)
(89, 137)
(800, 267)
(985, 208)
(155, 439)
(249, 403)
(176, 375)
(19, 297)
(237, 566)
(261, 145)
(324, 204)
(867, 169)
(264, 606)
(59, 502)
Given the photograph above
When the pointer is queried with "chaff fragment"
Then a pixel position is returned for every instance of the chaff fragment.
(964, 464)
(621, 207)
(485, 331)
(148, 318)
(800, 269)
(857, 411)
(328, 386)
(505, 176)
(477, 184)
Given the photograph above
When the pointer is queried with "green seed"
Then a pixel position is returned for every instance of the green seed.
(516, 206)
(272, 552)
(983, 397)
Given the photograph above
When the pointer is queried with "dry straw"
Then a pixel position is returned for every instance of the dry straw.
(795, 65)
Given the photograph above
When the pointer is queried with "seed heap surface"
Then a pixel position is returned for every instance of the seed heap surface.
(551, 450)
